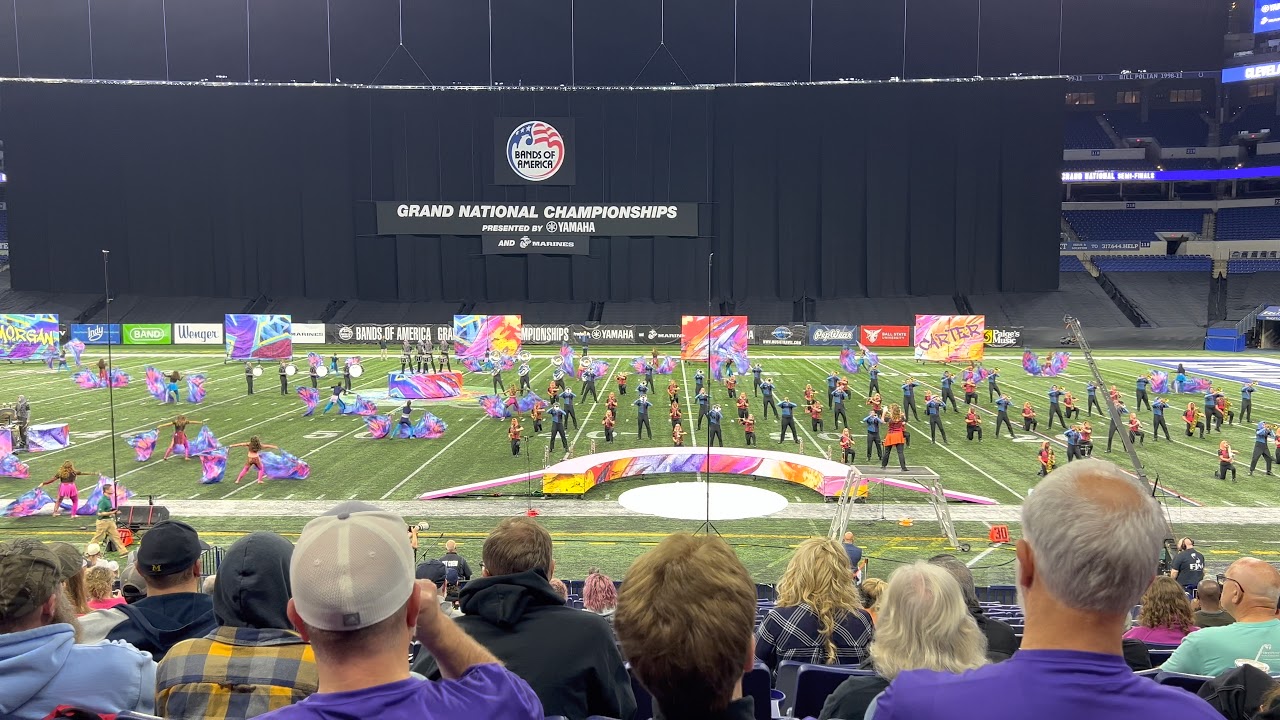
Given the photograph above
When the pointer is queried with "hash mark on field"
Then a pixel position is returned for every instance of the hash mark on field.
(193, 497)
(1260, 503)
(320, 497)
(353, 496)
(255, 497)
(286, 497)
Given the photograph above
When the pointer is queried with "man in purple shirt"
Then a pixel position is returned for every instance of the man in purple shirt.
(1090, 538)
(355, 600)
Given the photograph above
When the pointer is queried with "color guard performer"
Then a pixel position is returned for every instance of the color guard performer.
(895, 438)
(66, 476)
(1226, 461)
(335, 398)
(513, 434)
(511, 403)
(252, 459)
(972, 424)
(179, 436)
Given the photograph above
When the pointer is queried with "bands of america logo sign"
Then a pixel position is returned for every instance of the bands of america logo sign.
(535, 151)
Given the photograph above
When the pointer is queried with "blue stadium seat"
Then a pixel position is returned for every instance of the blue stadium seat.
(1132, 225)
(1190, 683)
(815, 682)
(1158, 655)
(1153, 263)
(1100, 164)
(756, 683)
(1246, 267)
(1172, 128)
(1251, 118)
(1248, 223)
(1070, 263)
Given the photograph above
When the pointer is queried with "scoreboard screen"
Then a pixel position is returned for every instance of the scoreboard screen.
(1266, 16)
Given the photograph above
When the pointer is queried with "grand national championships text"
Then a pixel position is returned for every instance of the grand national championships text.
(530, 212)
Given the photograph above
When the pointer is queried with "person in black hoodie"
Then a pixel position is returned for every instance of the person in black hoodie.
(567, 656)
(1002, 642)
(174, 609)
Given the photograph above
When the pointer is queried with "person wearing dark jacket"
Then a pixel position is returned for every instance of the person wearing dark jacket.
(452, 559)
(174, 608)
(253, 662)
(567, 656)
(1001, 640)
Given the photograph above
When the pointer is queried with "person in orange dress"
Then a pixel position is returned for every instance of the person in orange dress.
(513, 434)
(895, 437)
(972, 424)
(742, 406)
(608, 423)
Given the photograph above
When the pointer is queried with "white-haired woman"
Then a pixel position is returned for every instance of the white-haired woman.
(923, 624)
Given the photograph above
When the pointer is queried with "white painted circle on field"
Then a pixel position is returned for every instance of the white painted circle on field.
(688, 501)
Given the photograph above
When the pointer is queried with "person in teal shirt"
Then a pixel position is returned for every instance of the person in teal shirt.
(1250, 590)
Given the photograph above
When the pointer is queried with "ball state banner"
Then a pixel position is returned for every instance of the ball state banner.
(434, 386)
(724, 336)
(28, 336)
(950, 338)
(680, 462)
(475, 336)
(259, 337)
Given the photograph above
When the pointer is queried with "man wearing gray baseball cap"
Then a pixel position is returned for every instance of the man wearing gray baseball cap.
(356, 601)
(41, 666)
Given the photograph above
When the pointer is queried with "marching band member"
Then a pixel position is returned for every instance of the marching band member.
(314, 374)
(837, 405)
(248, 376)
(842, 385)
(1224, 408)
(766, 387)
(731, 385)
(756, 370)
(420, 358)
(1135, 429)
(677, 436)
(698, 379)
(895, 437)
(847, 453)
(557, 427)
(1092, 390)
(284, 378)
(1246, 401)
(621, 378)
(346, 376)
(704, 405)
(675, 413)
(742, 406)
(948, 379)
(1054, 408)
(1069, 402)
(406, 358)
(1226, 461)
(970, 391)
(553, 391)
(933, 407)
(973, 424)
(1046, 458)
(872, 422)
(1261, 446)
(648, 374)
(909, 397)
(1192, 418)
(1157, 420)
(498, 385)
(1086, 440)
(642, 416)
(445, 362)
(611, 403)
(566, 403)
(673, 391)
(1114, 395)
(1002, 414)
(536, 415)
(525, 384)
(993, 390)
(255, 446)
(875, 403)
(1029, 421)
(1073, 442)
(815, 414)
(608, 423)
(832, 379)
(787, 408)
(1211, 415)
(513, 433)
(749, 427)
(1140, 396)
(430, 352)
(873, 381)
(713, 426)
(808, 392)
(1112, 429)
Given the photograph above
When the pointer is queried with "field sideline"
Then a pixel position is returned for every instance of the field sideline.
(346, 463)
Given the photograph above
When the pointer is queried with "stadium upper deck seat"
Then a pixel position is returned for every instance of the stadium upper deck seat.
(1069, 263)
(1083, 132)
(1251, 118)
(1189, 162)
(1131, 225)
(1153, 263)
(1248, 223)
(1171, 128)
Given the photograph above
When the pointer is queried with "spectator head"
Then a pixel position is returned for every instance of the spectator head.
(848, 538)
(518, 544)
(433, 570)
(209, 584)
(962, 574)
(561, 589)
(133, 586)
(98, 581)
(819, 576)
(352, 577)
(71, 564)
(924, 624)
(685, 582)
(1165, 605)
(253, 589)
(1084, 516)
(1186, 543)
(31, 593)
(872, 590)
(92, 553)
(1249, 586)
(169, 558)
(450, 546)
(1209, 592)
(599, 595)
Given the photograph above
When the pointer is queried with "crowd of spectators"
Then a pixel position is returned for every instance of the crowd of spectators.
(347, 623)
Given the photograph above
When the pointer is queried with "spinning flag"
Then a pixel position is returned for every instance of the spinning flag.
(1196, 385)
(849, 362)
(143, 445)
(529, 401)
(77, 348)
(429, 427)
(28, 504)
(568, 364)
(155, 384)
(379, 425)
(213, 464)
(492, 405)
(360, 407)
(90, 505)
(284, 466)
(204, 442)
(89, 380)
(314, 359)
(195, 388)
(975, 375)
(311, 397)
(1055, 366)
(11, 466)
(1159, 382)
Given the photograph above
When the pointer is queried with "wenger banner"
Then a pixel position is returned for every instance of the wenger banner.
(1003, 337)
(832, 334)
(949, 338)
(541, 219)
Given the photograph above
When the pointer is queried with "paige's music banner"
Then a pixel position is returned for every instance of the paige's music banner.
(1002, 337)
(526, 218)
(949, 338)
(518, 244)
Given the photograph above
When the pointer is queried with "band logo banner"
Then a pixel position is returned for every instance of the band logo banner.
(534, 151)
(723, 336)
(524, 218)
(885, 335)
(788, 335)
(832, 334)
(395, 335)
(1002, 337)
(476, 336)
(950, 338)
(258, 337)
(102, 334)
(151, 334)
(28, 336)
(514, 244)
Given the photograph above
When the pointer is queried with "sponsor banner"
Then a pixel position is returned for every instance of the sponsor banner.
(1272, 312)
(96, 334)
(308, 333)
(1002, 337)
(534, 151)
(370, 333)
(790, 335)
(833, 334)
(527, 218)
(520, 244)
(197, 334)
(885, 335)
(950, 338)
(657, 334)
(149, 334)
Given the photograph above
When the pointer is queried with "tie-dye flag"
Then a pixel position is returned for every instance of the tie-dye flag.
(144, 444)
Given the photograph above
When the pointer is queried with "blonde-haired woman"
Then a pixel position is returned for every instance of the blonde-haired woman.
(819, 616)
(872, 589)
(1165, 618)
(923, 624)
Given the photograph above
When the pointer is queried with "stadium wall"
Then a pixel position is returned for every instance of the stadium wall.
(824, 191)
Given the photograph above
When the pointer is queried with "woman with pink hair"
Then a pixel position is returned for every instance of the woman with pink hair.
(599, 595)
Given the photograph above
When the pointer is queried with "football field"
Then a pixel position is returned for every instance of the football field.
(347, 463)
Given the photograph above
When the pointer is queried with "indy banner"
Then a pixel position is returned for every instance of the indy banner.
(558, 219)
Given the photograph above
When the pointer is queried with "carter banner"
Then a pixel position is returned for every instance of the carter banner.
(519, 219)
(1003, 337)
(949, 338)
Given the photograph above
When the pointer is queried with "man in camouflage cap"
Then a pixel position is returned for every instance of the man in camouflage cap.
(41, 666)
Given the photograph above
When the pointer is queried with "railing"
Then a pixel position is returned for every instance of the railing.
(1248, 321)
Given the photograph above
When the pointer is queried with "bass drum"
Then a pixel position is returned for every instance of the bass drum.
(356, 370)
(257, 371)
(290, 370)
(321, 370)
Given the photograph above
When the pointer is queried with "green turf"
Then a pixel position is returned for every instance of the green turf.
(346, 463)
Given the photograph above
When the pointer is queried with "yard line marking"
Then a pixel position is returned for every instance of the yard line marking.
(193, 497)
(433, 458)
(286, 497)
(983, 554)
(689, 394)
(587, 418)
(255, 497)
